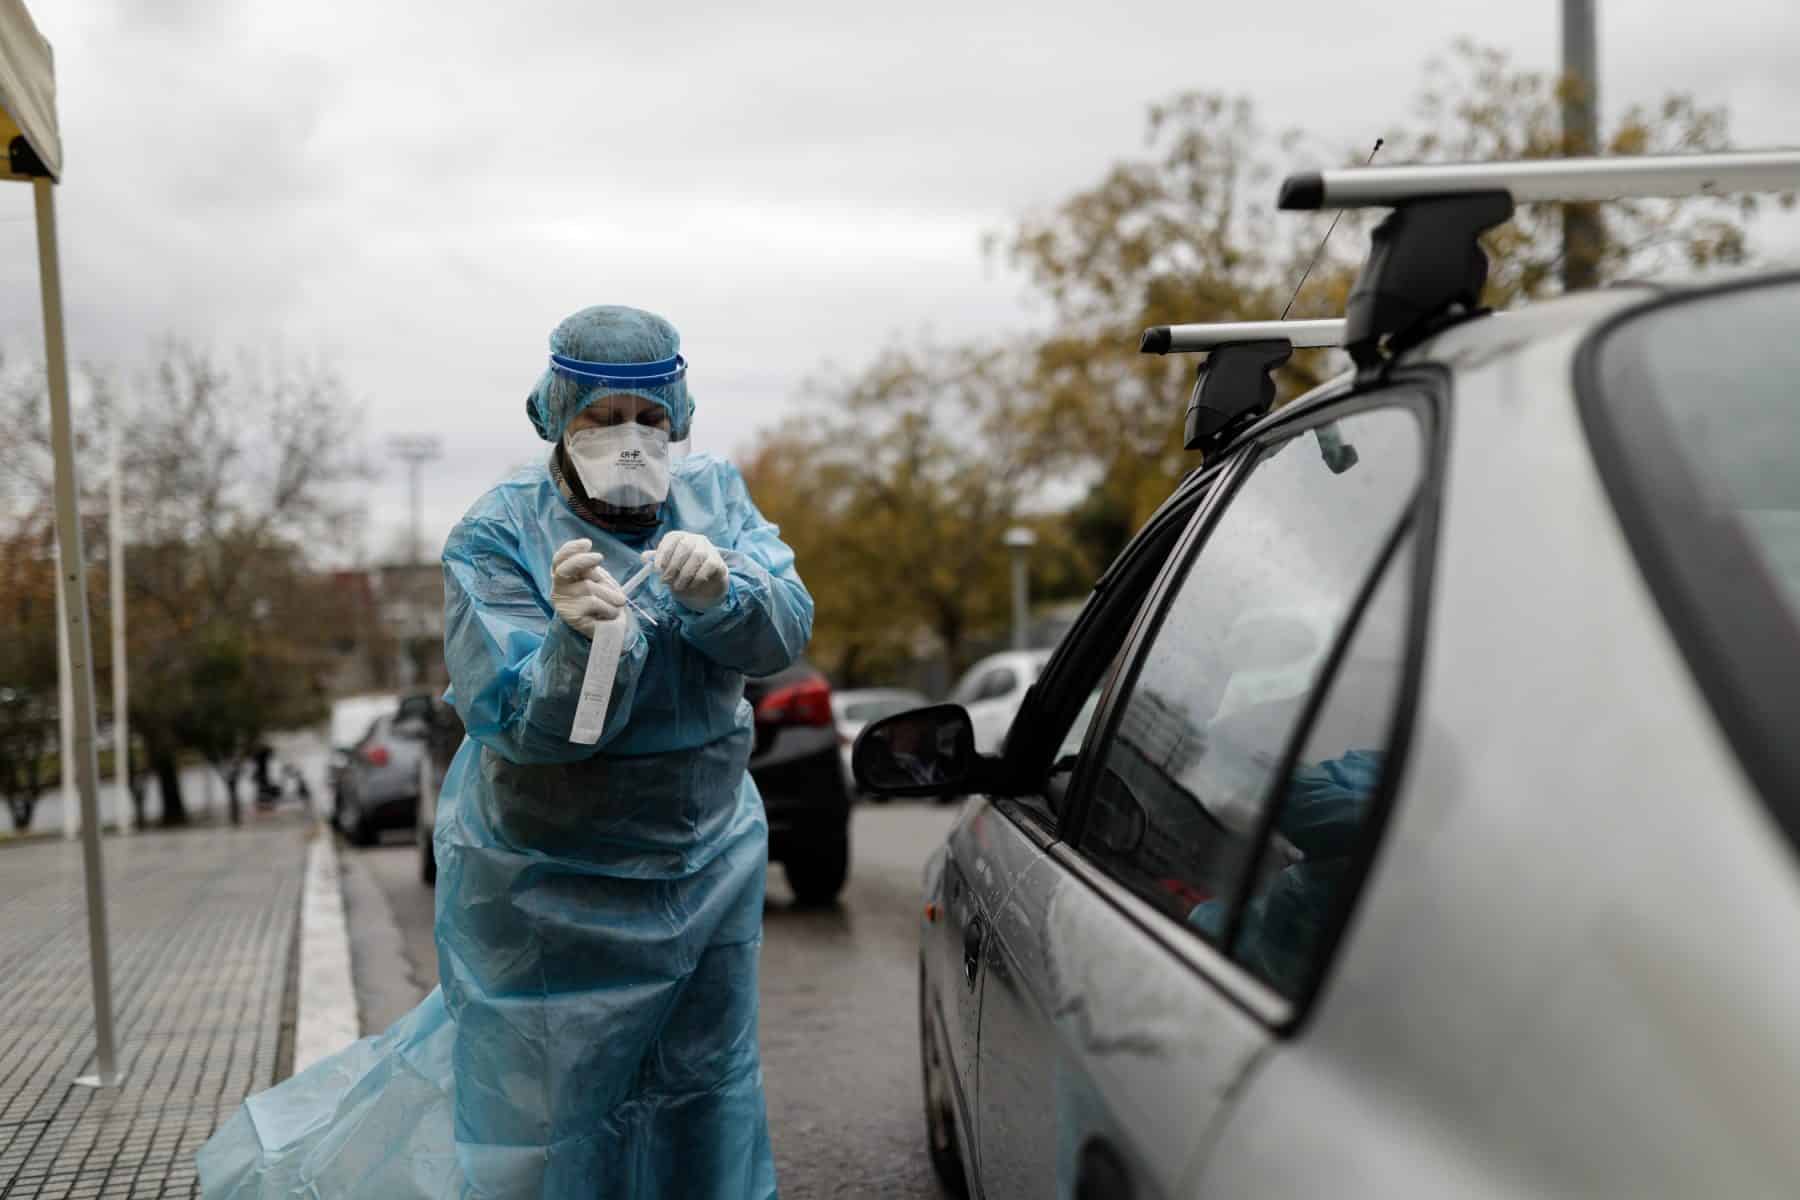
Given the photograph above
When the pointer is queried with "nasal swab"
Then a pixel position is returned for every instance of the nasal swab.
(637, 578)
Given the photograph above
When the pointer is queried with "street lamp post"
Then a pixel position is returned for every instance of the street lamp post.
(415, 450)
(1583, 234)
(1019, 541)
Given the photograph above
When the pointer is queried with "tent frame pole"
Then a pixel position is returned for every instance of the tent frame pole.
(115, 571)
(81, 662)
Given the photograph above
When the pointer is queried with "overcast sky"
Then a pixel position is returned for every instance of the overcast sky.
(421, 191)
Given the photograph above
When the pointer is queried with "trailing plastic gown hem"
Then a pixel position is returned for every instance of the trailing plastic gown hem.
(599, 909)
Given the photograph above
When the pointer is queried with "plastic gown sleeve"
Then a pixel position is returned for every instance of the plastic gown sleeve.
(766, 618)
(515, 668)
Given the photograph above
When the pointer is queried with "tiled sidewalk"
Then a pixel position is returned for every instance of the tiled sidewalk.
(202, 928)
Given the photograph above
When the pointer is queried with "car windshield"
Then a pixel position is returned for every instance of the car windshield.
(1721, 373)
(1696, 428)
(352, 719)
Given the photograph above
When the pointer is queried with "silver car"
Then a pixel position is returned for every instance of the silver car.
(1494, 892)
(375, 781)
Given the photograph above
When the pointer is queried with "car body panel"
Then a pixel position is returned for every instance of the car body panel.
(1092, 1033)
(1621, 1016)
(963, 884)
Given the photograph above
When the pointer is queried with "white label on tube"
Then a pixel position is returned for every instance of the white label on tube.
(596, 684)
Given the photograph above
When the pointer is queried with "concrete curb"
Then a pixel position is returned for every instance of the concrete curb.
(381, 970)
(326, 1019)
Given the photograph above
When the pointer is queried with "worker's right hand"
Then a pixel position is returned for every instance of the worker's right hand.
(581, 591)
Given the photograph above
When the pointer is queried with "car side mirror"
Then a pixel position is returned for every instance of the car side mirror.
(1116, 820)
(925, 752)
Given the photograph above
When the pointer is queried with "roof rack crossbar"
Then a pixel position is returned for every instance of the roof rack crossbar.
(1235, 386)
(1188, 339)
(1550, 180)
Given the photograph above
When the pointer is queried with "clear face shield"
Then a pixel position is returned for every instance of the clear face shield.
(580, 385)
(622, 433)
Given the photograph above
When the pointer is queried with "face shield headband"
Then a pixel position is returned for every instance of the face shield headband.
(641, 379)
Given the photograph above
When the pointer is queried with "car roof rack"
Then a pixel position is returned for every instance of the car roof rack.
(1426, 267)
(1186, 339)
(1235, 385)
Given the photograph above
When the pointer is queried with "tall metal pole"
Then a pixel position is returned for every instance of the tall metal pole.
(65, 713)
(1021, 602)
(415, 451)
(115, 536)
(1019, 540)
(73, 573)
(1583, 234)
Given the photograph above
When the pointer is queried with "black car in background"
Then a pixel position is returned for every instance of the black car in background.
(443, 738)
(798, 770)
(794, 762)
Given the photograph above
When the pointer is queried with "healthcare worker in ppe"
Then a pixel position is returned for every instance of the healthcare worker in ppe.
(599, 906)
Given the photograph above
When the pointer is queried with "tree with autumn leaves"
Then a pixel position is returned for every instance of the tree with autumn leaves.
(896, 487)
(233, 479)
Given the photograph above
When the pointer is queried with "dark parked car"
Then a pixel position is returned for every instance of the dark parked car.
(376, 781)
(443, 738)
(795, 764)
(801, 777)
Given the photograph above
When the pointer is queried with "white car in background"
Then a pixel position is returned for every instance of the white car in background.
(856, 708)
(992, 691)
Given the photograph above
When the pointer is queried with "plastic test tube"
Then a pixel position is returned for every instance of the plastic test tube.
(603, 667)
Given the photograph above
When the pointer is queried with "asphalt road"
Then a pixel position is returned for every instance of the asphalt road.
(839, 1008)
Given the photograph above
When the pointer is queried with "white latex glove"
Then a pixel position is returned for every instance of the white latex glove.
(694, 570)
(581, 591)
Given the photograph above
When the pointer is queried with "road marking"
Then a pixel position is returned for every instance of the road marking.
(326, 1018)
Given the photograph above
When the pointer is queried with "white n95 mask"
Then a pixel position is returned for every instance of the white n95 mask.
(623, 465)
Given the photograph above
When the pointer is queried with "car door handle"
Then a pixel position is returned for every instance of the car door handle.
(972, 937)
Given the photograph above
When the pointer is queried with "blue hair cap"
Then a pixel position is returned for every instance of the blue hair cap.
(611, 350)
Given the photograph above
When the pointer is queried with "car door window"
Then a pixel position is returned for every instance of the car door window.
(1689, 407)
(1306, 871)
(998, 684)
(1220, 687)
(1048, 733)
(968, 689)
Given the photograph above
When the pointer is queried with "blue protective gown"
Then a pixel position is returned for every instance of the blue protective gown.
(599, 908)
(1323, 814)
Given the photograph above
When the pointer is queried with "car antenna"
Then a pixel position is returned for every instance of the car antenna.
(1332, 228)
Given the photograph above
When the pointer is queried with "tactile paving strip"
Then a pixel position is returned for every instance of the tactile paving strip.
(201, 926)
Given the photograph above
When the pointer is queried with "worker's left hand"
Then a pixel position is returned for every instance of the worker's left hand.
(694, 570)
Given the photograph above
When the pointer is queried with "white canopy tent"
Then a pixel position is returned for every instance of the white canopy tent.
(27, 90)
(34, 154)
